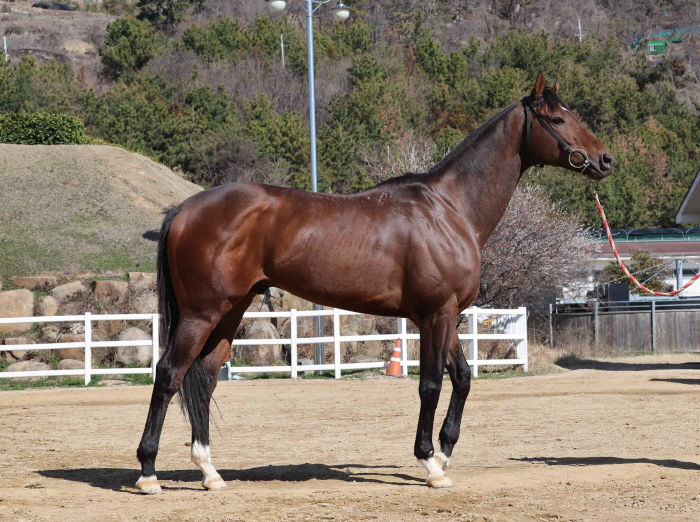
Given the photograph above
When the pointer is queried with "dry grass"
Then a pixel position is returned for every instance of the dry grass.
(72, 209)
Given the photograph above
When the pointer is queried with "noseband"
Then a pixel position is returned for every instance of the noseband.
(530, 108)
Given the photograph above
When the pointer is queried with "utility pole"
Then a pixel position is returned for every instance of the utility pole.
(282, 47)
(4, 45)
(580, 31)
(679, 275)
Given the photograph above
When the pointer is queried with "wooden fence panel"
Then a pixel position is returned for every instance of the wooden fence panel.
(630, 331)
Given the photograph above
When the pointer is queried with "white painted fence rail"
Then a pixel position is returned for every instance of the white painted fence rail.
(513, 321)
(88, 344)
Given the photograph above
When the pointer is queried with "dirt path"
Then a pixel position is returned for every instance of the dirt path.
(588, 444)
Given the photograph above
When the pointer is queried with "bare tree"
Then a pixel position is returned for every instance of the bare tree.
(536, 248)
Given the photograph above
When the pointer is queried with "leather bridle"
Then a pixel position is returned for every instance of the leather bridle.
(530, 108)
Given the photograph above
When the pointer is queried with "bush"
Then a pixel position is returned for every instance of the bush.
(129, 45)
(41, 129)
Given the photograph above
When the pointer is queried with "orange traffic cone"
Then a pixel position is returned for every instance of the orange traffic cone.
(394, 368)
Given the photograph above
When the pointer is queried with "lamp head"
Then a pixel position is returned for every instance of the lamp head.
(341, 12)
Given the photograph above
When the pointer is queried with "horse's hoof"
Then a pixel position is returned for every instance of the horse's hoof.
(149, 487)
(442, 460)
(443, 481)
(215, 484)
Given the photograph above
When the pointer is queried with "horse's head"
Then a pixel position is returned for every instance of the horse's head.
(555, 137)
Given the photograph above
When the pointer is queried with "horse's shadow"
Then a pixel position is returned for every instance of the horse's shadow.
(116, 479)
(601, 461)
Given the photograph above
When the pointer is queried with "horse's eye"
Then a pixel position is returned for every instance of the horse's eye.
(557, 120)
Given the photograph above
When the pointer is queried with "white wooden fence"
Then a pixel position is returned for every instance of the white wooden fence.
(88, 344)
(512, 322)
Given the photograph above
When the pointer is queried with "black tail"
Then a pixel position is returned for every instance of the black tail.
(167, 303)
(194, 391)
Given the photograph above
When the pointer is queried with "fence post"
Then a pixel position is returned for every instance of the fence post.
(404, 346)
(293, 347)
(156, 345)
(653, 326)
(473, 343)
(88, 349)
(595, 323)
(551, 328)
(336, 342)
(521, 327)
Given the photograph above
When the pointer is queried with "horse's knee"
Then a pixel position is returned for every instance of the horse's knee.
(429, 390)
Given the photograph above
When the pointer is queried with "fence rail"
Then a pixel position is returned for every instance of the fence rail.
(88, 344)
(514, 324)
(517, 332)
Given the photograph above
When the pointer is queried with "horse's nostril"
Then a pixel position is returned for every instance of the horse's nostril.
(607, 161)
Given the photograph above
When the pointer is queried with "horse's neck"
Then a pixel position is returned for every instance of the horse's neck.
(482, 175)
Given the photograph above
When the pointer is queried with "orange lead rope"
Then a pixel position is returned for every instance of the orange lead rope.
(622, 265)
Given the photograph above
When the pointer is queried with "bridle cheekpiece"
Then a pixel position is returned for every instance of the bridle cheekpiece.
(530, 108)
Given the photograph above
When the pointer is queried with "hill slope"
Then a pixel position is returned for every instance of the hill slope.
(75, 208)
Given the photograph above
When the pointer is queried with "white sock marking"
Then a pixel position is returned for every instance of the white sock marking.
(432, 467)
(201, 456)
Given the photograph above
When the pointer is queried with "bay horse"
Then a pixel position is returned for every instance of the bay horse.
(409, 247)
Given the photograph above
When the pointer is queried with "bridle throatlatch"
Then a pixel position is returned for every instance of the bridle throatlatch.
(530, 108)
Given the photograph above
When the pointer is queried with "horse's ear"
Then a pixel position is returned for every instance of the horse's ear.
(555, 87)
(538, 89)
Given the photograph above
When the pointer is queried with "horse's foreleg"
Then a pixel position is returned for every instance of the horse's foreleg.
(190, 336)
(436, 334)
(460, 374)
(214, 354)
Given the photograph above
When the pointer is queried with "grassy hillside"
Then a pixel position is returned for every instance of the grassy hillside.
(71, 209)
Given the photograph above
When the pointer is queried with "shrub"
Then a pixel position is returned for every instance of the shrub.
(41, 129)
(129, 45)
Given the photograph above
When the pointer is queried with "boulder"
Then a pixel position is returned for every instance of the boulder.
(71, 364)
(35, 283)
(372, 348)
(350, 347)
(362, 324)
(264, 354)
(77, 354)
(16, 303)
(304, 362)
(47, 306)
(145, 303)
(28, 366)
(290, 301)
(133, 355)
(50, 333)
(109, 291)
(68, 290)
(15, 355)
(365, 359)
(139, 281)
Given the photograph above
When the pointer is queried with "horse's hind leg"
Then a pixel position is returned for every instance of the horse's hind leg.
(460, 374)
(213, 355)
(190, 335)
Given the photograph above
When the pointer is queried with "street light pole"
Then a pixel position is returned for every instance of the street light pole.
(340, 13)
(319, 355)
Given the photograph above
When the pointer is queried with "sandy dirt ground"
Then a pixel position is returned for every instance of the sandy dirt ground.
(607, 442)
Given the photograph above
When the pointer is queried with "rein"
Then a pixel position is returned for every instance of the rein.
(530, 108)
(622, 265)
